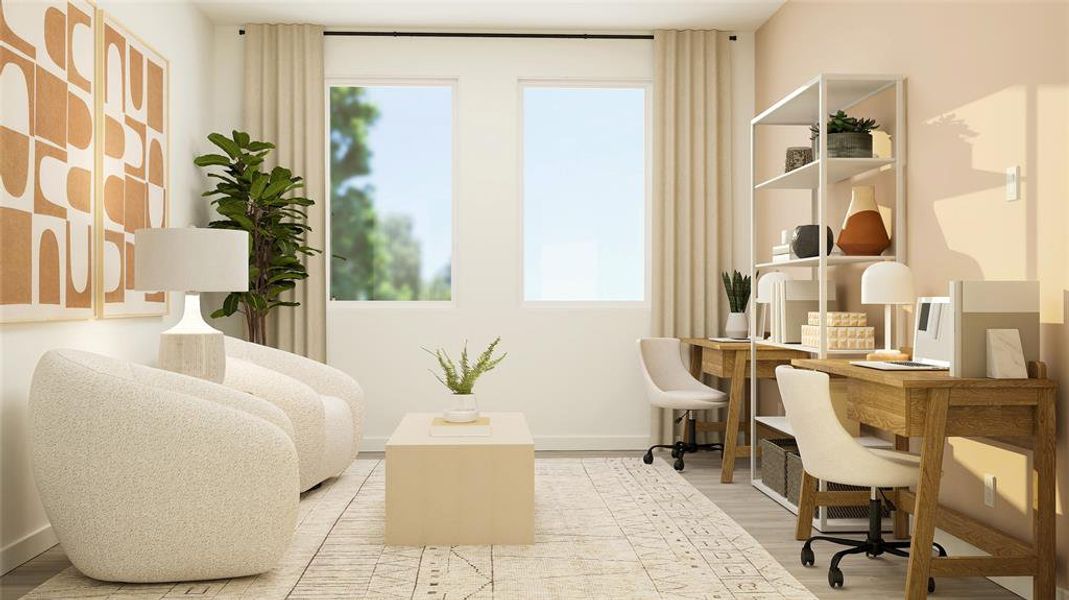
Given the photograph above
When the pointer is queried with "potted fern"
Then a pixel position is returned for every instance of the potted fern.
(848, 137)
(737, 288)
(460, 379)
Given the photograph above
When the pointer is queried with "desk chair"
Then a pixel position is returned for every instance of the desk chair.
(670, 385)
(830, 453)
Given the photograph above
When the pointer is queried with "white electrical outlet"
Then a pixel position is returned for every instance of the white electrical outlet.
(989, 490)
(1013, 183)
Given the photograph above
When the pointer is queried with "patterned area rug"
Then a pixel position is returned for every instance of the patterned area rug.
(606, 528)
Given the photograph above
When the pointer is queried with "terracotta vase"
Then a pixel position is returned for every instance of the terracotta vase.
(863, 233)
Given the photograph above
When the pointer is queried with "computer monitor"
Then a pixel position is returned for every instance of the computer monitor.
(933, 332)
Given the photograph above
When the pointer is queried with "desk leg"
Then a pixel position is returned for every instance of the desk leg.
(920, 556)
(731, 427)
(901, 525)
(1043, 517)
(696, 362)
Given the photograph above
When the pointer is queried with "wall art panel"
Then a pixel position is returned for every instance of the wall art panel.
(133, 180)
(47, 160)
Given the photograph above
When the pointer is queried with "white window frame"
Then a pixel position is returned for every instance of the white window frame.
(647, 86)
(453, 85)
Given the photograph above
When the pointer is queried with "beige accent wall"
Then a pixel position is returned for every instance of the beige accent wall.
(988, 88)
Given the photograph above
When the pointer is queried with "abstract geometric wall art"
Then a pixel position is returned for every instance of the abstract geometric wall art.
(133, 182)
(47, 87)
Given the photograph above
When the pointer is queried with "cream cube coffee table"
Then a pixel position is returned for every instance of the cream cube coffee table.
(471, 490)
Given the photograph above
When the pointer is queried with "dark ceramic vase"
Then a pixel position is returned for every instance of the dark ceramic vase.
(805, 241)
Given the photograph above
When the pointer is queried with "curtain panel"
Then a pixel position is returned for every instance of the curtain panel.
(284, 98)
(691, 188)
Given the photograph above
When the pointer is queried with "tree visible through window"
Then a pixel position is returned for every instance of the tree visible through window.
(391, 163)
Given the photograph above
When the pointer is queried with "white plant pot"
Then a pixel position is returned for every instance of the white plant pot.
(737, 326)
(464, 409)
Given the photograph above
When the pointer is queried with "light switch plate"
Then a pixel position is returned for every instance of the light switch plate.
(1013, 183)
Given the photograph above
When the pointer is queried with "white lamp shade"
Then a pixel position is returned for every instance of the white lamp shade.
(887, 283)
(191, 259)
(765, 283)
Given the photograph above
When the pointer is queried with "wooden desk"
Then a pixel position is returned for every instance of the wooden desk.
(934, 406)
(731, 360)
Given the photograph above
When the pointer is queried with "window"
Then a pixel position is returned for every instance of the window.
(391, 192)
(584, 193)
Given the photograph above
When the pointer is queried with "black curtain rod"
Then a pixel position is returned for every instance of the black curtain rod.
(458, 34)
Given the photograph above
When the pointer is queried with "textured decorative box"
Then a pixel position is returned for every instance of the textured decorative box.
(841, 338)
(840, 319)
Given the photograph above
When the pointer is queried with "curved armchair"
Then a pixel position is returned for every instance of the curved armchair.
(152, 476)
(335, 412)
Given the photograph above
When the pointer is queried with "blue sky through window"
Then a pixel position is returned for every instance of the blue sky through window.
(584, 193)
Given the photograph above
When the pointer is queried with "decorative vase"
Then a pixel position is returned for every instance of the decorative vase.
(797, 156)
(465, 409)
(805, 241)
(863, 233)
(737, 327)
(847, 144)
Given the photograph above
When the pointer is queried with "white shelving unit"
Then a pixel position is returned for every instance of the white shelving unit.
(809, 104)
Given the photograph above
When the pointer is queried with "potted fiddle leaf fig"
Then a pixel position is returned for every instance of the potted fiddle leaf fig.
(460, 379)
(848, 137)
(268, 206)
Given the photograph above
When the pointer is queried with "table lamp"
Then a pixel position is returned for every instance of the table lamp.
(887, 283)
(192, 260)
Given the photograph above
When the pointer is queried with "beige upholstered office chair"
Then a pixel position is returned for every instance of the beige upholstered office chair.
(830, 453)
(670, 385)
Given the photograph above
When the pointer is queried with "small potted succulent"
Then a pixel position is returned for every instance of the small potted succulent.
(460, 379)
(737, 288)
(848, 137)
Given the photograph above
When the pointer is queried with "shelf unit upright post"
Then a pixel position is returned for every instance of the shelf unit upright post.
(816, 99)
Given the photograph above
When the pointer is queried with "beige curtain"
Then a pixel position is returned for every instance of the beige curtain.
(284, 89)
(691, 187)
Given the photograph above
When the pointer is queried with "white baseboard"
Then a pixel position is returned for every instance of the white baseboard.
(551, 442)
(1022, 586)
(18, 552)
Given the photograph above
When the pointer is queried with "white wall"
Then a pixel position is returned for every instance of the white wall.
(183, 35)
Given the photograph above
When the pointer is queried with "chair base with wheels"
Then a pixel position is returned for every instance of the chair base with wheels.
(688, 445)
(872, 546)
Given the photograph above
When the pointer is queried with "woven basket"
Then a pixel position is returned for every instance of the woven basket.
(774, 463)
(794, 492)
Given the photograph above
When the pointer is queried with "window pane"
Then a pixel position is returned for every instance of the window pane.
(584, 193)
(391, 192)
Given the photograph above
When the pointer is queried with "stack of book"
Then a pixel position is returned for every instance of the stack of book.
(781, 253)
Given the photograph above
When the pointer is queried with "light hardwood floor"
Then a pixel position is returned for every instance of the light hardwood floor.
(765, 520)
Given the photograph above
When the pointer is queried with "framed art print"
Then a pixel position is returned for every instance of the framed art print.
(133, 184)
(47, 160)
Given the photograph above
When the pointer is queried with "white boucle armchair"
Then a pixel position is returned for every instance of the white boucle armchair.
(325, 405)
(152, 476)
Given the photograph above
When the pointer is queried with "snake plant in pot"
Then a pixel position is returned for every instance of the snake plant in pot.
(460, 379)
(737, 288)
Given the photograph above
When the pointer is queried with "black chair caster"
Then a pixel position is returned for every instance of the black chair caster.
(931, 585)
(678, 464)
(835, 577)
(648, 457)
(808, 558)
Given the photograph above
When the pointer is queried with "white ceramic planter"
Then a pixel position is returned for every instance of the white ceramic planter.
(465, 409)
(737, 326)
